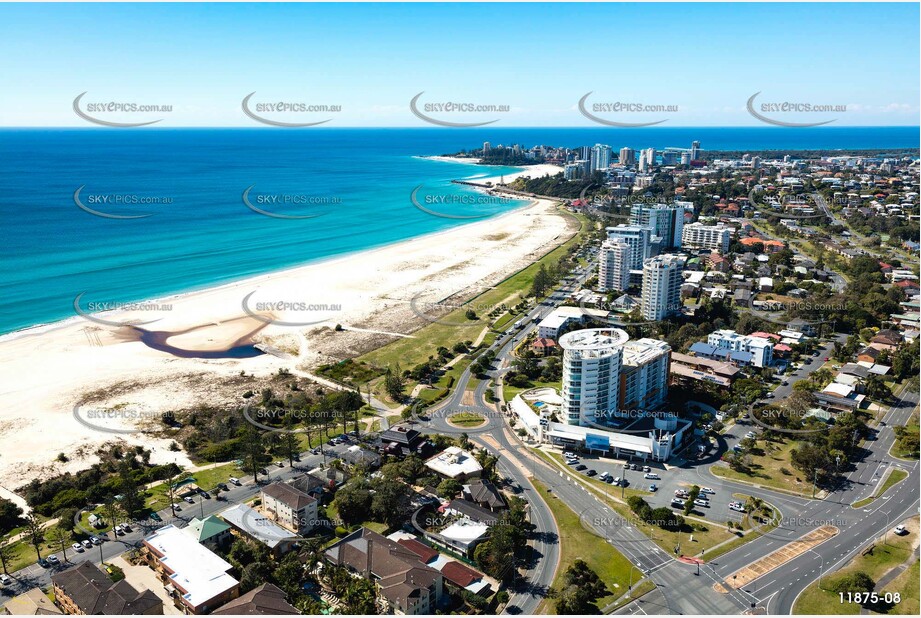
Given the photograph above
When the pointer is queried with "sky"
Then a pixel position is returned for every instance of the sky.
(703, 61)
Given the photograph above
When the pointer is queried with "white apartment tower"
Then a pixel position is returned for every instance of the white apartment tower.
(666, 222)
(644, 375)
(637, 238)
(614, 263)
(662, 286)
(591, 374)
(700, 236)
(600, 157)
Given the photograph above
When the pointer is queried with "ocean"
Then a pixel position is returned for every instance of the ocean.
(336, 190)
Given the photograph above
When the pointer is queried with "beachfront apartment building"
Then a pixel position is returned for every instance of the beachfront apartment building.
(627, 156)
(761, 350)
(712, 237)
(614, 261)
(591, 374)
(290, 507)
(665, 222)
(662, 281)
(644, 375)
(600, 157)
(637, 238)
(196, 578)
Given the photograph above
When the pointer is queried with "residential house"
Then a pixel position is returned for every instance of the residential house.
(34, 602)
(252, 524)
(87, 590)
(210, 532)
(543, 346)
(266, 600)
(404, 582)
(485, 494)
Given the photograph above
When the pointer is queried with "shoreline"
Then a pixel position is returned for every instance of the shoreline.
(255, 280)
(50, 368)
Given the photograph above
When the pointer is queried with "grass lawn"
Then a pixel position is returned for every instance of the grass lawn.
(895, 475)
(158, 495)
(902, 451)
(770, 469)
(409, 352)
(906, 584)
(875, 563)
(576, 542)
(466, 419)
(509, 392)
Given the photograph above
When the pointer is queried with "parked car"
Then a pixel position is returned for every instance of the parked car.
(653, 487)
(568, 454)
(205, 495)
(53, 560)
(176, 506)
(223, 487)
(95, 540)
(43, 563)
(706, 490)
(591, 473)
(572, 462)
(581, 467)
(77, 547)
(234, 480)
(5, 579)
(651, 475)
(703, 503)
(604, 476)
(737, 506)
(189, 499)
(681, 493)
(900, 530)
(87, 544)
(677, 502)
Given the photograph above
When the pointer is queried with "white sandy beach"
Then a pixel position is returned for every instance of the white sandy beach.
(49, 370)
(534, 171)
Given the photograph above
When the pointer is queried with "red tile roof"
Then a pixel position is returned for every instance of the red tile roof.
(459, 574)
(425, 553)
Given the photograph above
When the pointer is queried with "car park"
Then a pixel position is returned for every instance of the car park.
(77, 547)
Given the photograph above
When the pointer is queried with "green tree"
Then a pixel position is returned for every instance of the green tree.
(34, 533)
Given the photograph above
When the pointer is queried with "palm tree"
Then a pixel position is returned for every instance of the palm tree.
(6, 554)
(60, 537)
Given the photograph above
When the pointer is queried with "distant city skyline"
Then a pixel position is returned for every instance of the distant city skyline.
(699, 63)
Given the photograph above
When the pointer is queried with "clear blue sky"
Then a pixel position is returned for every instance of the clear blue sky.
(538, 58)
